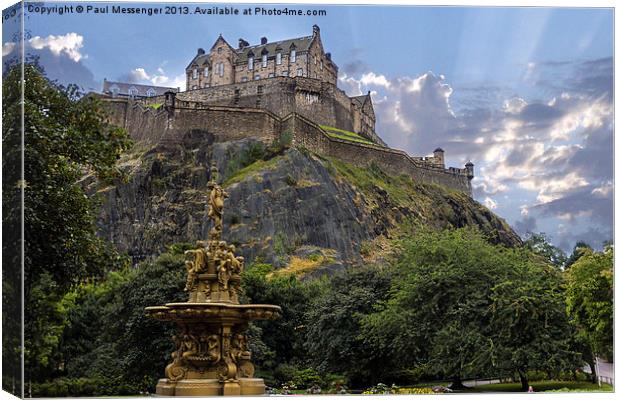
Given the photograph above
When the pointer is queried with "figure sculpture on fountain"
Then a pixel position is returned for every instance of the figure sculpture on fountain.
(211, 355)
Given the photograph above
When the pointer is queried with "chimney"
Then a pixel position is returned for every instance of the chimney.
(243, 43)
(201, 51)
(315, 30)
(263, 40)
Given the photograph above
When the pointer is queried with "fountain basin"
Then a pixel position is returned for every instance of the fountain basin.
(213, 312)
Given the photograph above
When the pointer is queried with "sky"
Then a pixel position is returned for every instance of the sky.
(526, 94)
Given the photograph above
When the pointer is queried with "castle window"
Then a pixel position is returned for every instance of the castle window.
(293, 55)
(150, 92)
(321, 65)
(278, 58)
(206, 71)
(250, 63)
(244, 79)
(195, 73)
(115, 89)
(219, 50)
(132, 91)
(300, 72)
(271, 75)
(264, 60)
(256, 77)
(194, 87)
(284, 73)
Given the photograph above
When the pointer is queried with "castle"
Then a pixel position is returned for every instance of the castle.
(266, 89)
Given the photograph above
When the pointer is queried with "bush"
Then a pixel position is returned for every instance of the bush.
(305, 378)
(254, 152)
(284, 373)
(282, 142)
(64, 387)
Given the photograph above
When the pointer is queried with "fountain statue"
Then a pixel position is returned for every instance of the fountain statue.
(211, 356)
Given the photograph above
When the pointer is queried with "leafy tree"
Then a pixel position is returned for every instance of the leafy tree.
(436, 315)
(284, 337)
(108, 337)
(462, 306)
(539, 244)
(528, 324)
(333, 320)
(589, 298)
(65, 136)
(579, 250)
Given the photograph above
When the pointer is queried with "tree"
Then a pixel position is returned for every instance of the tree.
(589, 299)
(539, 244)
(436, 315)
(528, 324)
(578, 251)
(284, 337)
(65, 136)
(462, 306)
(333, 324)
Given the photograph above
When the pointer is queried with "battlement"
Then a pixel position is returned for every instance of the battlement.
(169, 119)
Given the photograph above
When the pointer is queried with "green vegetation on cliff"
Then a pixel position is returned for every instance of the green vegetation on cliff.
(345, 135)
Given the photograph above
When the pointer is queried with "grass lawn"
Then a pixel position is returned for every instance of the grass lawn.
(543, 386)
(346, 135)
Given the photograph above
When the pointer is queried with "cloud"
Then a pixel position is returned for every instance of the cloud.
(159, 78)
(138, 74)
(490, 203)
(7, 48)
(68, 44)
(526, 225)
(59, 56)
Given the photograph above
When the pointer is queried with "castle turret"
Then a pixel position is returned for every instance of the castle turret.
(438, 156)
(470, 170)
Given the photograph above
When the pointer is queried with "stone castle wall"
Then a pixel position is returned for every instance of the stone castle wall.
(226, 123)
(316, 100)
(309, 135)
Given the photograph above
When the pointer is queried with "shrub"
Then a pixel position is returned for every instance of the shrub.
(305, 378)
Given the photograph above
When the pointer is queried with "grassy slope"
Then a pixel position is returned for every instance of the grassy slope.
(427, 203)
(345, 135)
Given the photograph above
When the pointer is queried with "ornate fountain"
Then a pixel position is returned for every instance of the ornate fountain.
(211, 356)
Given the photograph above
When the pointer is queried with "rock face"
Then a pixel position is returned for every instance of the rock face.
(280, 202)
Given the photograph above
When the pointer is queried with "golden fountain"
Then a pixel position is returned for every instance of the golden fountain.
(211, 356)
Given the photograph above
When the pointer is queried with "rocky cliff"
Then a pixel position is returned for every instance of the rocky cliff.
(286, 206)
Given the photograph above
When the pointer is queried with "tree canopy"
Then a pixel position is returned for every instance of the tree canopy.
(462, 306)
(65, 136)
(589, 298)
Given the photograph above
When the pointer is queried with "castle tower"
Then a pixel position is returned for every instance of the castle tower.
(438, 156)
(470, 170)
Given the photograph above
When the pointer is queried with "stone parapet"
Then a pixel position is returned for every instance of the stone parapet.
(225, 123)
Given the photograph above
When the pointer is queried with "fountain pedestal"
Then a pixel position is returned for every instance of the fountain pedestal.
(211, 357)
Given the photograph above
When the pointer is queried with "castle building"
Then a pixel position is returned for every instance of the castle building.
(287, 76)
(267, 90)
(134, 90)
(225, 65)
